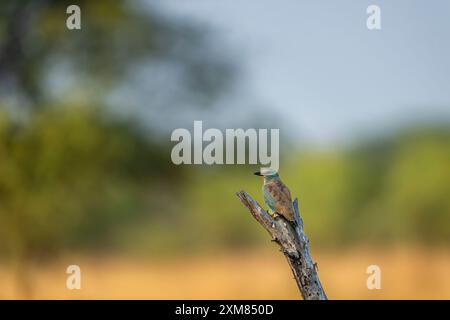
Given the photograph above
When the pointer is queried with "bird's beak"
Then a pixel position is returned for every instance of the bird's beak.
(257, 173)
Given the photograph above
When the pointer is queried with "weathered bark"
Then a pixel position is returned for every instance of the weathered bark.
(293, 243)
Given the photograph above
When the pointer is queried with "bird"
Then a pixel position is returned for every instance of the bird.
(276, 195)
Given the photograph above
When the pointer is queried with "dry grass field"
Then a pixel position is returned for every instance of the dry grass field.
(406, 274)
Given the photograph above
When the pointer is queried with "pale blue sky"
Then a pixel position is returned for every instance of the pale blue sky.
(324, 71)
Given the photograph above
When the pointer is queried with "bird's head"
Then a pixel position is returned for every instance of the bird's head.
(266, 172)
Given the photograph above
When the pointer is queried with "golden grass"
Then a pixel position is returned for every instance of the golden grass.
(406, 274)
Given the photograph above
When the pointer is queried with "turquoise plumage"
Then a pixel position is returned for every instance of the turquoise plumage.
(276, 195)
(268, 199)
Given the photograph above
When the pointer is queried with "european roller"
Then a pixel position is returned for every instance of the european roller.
(276, 195)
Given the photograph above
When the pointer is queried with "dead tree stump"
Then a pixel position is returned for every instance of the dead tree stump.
(293, 243)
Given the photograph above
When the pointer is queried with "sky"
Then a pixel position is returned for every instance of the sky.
(327, 76)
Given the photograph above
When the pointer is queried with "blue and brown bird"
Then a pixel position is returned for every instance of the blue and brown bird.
(276, 195)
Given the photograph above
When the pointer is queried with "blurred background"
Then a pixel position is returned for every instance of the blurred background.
(86, 176)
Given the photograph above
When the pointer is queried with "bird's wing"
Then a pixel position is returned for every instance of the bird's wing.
(278, 191)
(285, 193)
(283, 201)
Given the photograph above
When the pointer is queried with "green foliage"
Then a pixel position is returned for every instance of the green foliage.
(74, 177)
(417, 187)
(380, 191)
(70, 176)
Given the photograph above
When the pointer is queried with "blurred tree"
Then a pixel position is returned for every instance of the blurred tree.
(71, 176)
(43, 62)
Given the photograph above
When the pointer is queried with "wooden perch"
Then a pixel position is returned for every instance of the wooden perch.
(293, 243)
